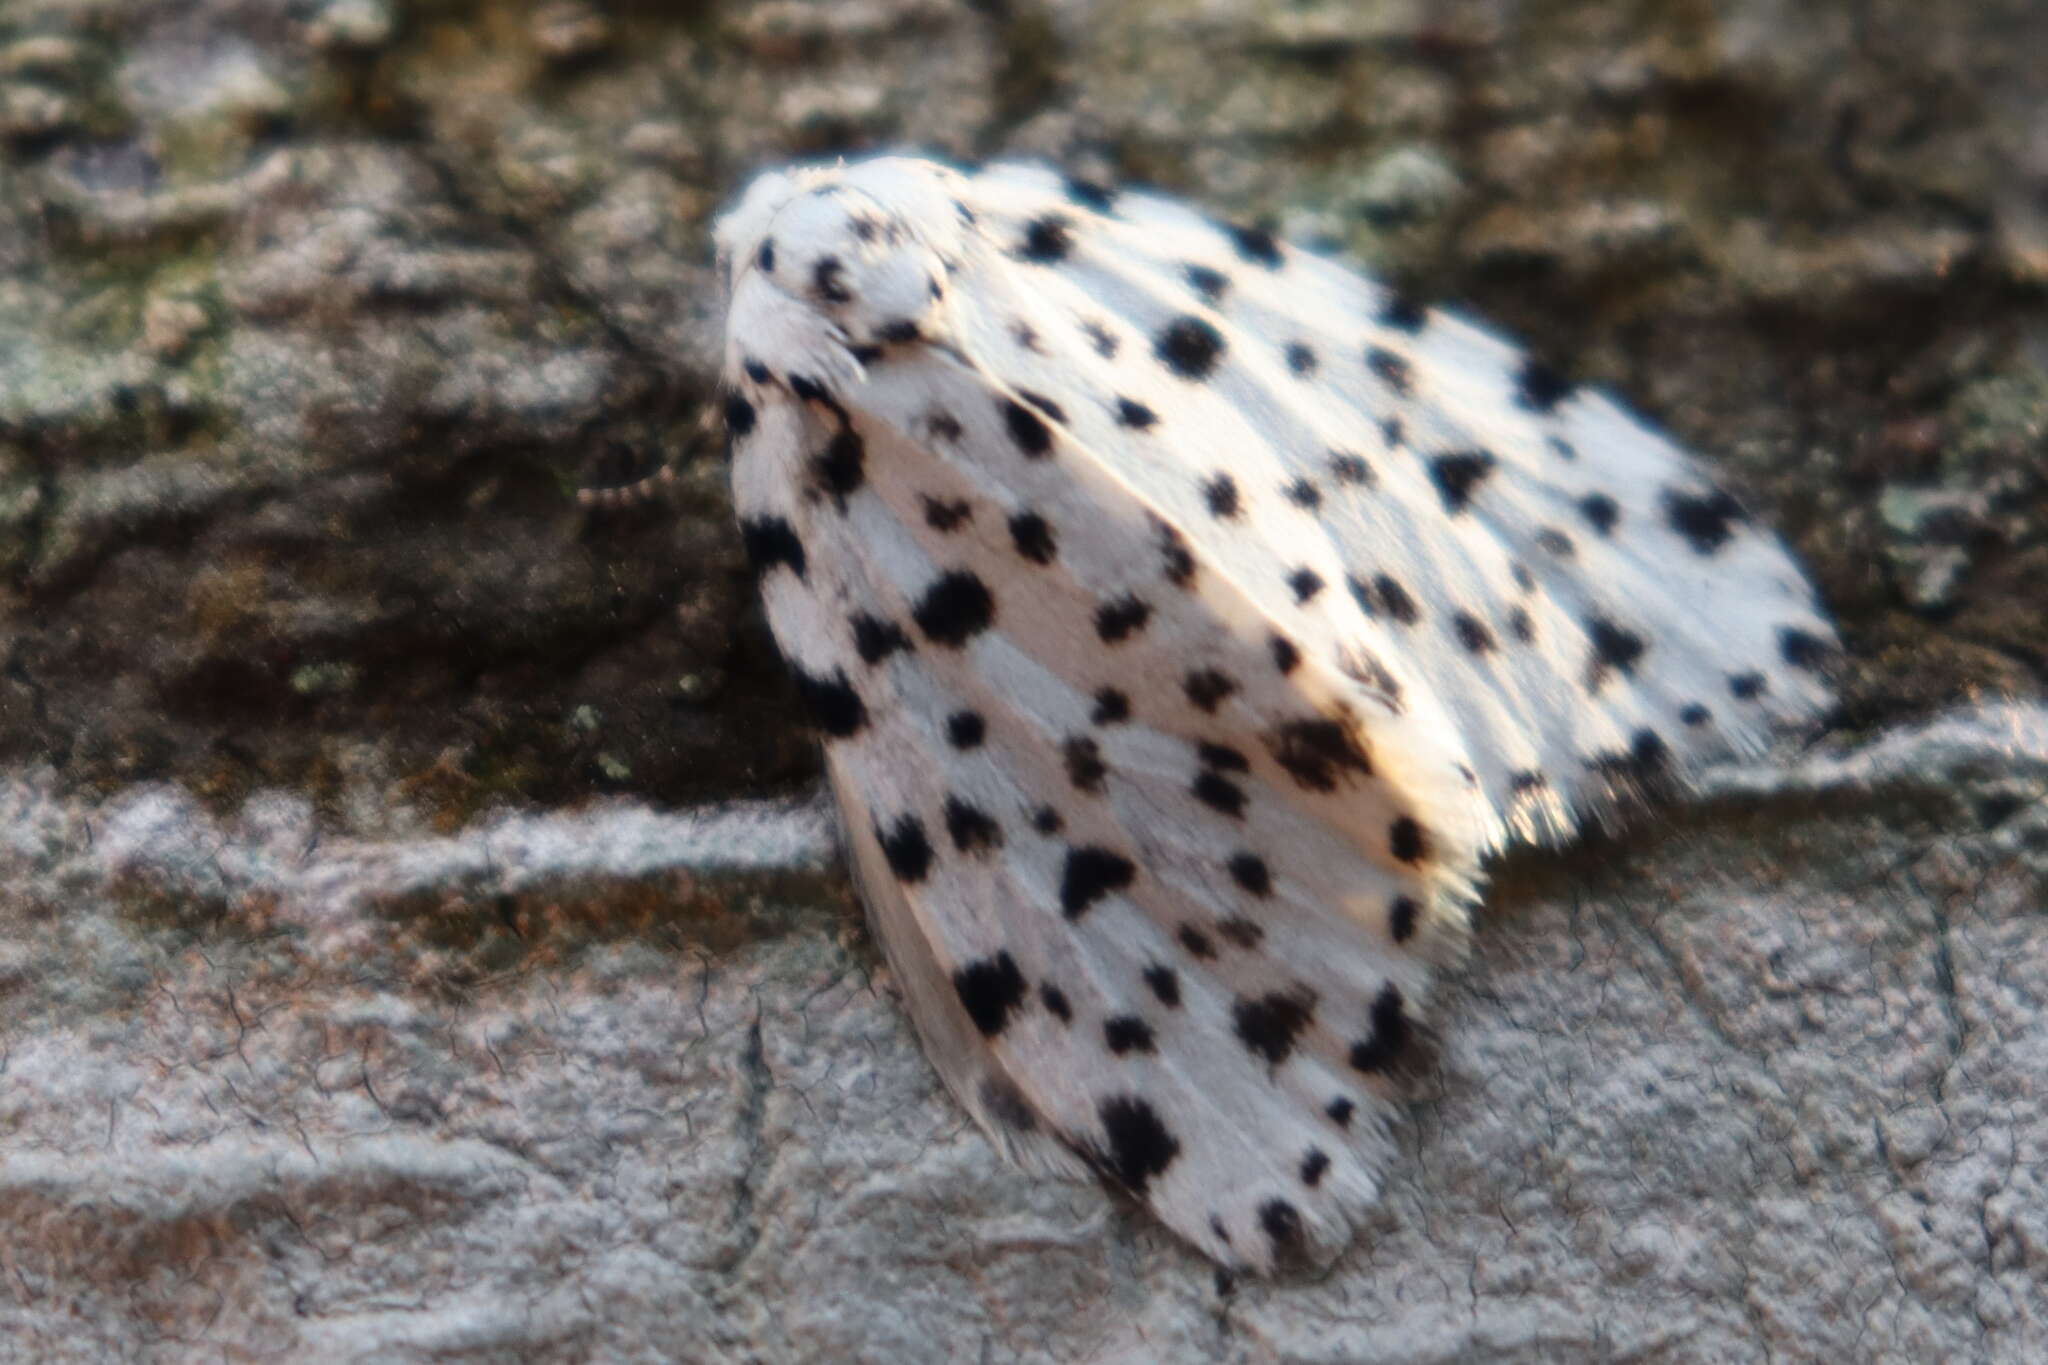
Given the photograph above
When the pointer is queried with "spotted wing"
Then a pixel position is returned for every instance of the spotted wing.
(1164, 885)
(1583, 602)
(1186, 617)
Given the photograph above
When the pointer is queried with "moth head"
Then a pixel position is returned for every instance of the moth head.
(740, 230)
(869, 246)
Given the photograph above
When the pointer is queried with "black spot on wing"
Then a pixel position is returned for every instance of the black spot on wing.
(1458, 475)
(1219, 794)
(1281, 1222)
(1472, 633)
(1027, 429)
(966, 730)
(946, 515)
(833, 703)
(1206, 689)
(1641, 764)
(1112, 707)
(1056, 1003)
(1135, 415)
(1091, 873)
(1189, 346)
(1005, 1104)
(1045, 405)
(1364, 667)
(1241, 932)
(1164, 984)
(908, 850)
(1614, 647)
(1032, 535)
(1120, 618)
(1351, 469)
(1174, 555)
(1648, 751)
(1139, 1148)
(1403, 315)
(1083, 759)
(1251, 874)
(771, 542)
(875, 639)
(1402, 916)
(1091, 194)
(990, 989)
(739, 416)
(1395, 601)
(1047, 238)
(954, 609)
(1222, 757)
(1393, 370)
(828, 280)
(1210, 283)
(1270, 1024)
(1406, 840)
(1314, 1164)
(1747, 686)
(1539, 388)
(1127, 1033)
(1804, 650)
(971, 828)
(1380, 1049)
(1318, 753)
(1706, 520)
(1255, 244)
(1601, 512)
(1301, 360)
(1220, 493)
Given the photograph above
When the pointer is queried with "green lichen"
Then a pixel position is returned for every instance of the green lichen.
(1999, 424)
(325, 679)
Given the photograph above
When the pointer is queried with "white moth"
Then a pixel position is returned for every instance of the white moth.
(1186, 617)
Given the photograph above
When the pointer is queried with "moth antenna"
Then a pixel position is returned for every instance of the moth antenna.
(656, 485)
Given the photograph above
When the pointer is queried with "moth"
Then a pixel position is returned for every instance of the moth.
(1186, 616)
